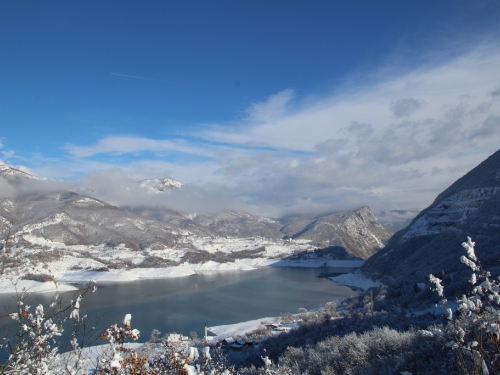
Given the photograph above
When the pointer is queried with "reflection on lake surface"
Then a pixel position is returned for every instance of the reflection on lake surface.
(185, 304)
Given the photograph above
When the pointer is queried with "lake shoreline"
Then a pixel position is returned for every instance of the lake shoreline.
(70, 280)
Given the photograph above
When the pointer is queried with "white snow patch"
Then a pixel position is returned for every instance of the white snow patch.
(91, 355)
(89, 200)
(241, 329)
(14, 286)
(356, 279)
(55, 219)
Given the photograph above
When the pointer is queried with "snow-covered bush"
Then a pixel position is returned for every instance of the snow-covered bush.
(156, 358)
(34, 346)
(122, 359)
(155, 336)
(475, 327)
(377, 351)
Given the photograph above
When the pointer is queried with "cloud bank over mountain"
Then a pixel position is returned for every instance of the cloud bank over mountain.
(394, 137)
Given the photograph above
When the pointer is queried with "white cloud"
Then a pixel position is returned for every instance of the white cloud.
(6, 190)
(380, 138)
(24, 169)
(405, 107)
(130, 145)
(117, 187)
(463, 84)
(273, 108)
(394, 143)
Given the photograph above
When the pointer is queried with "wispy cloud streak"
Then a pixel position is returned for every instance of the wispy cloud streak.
(137, 77)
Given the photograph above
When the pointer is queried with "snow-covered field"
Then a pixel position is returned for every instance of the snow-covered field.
(81, 264)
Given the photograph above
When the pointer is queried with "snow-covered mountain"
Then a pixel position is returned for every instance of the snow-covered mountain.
(432, 241)
(358, 231)
(63, 218)
(60, 219)
(159, 185)
(15, 176)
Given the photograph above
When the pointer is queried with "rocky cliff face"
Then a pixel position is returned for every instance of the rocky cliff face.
(358, 231)
(432, 241)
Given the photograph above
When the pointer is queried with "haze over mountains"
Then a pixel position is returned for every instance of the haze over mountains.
(432, 242)
(39, 215)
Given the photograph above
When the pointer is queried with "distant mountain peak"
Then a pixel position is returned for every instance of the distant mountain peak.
(159, 185)
(15, 176)
(358, 231)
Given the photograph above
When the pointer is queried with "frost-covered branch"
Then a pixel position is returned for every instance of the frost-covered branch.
(476, 329)
(33, 348)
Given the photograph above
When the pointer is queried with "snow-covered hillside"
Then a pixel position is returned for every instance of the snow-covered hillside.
(469, 207)
(451, 212)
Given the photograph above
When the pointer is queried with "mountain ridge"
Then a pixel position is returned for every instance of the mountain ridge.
(66, 217)
(431, 243)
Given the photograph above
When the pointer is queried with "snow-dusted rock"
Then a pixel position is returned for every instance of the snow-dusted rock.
(431, 243)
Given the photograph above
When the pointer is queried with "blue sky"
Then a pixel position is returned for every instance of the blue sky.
(277, 105)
